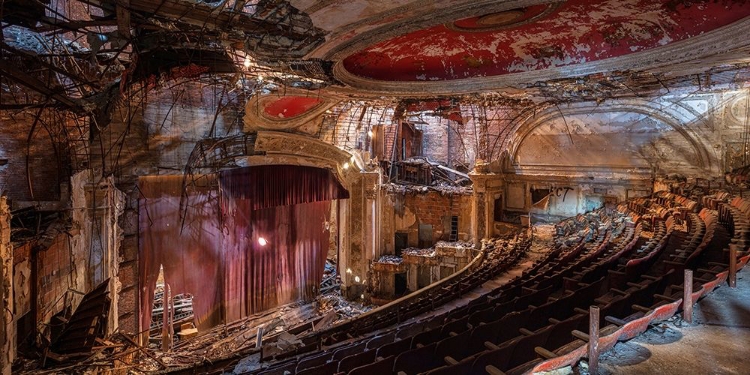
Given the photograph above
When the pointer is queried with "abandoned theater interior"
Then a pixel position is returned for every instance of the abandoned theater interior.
(374, 186)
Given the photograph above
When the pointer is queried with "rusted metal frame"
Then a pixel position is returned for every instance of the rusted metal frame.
(74, 25)
(35, 84)
(219, 108)
(178, 11)
(48, 65)
(121, 144)
(28, 151)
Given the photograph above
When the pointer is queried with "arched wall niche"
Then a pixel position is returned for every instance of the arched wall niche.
(621, 136)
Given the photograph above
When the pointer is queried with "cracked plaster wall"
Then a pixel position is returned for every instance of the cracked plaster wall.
(7, 328)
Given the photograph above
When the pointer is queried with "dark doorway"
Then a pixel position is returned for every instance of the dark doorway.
(498, 211)
(425, 236)
(401, 242)
(400, 284)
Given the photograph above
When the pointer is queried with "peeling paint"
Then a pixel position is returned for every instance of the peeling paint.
(578, 32)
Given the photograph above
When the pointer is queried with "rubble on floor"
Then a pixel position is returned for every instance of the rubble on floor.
(544, 238)
(343, 308)
(413, 251)
(390, 259)
(442, 188)
(331, 280)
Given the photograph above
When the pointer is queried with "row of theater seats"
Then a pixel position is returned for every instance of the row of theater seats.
(537, 322)
(667, 284)
(442, 333)
(499, 255)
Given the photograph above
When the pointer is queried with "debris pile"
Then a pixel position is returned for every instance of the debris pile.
(440, 187)
(390, 259)
(344, 309)
(455, 244)
(331, 279)
(413, 251)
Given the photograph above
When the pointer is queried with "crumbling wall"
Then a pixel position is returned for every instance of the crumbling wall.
(40, 179)
(348, 125)
(21, 280)
(405, 212)
(7, 328)
(54, 278)
(154, 133)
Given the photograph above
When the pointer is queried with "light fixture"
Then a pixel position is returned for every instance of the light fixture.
(356, 279)
(349, 270)
(369, 133)
(262, 241)
(345, 166)
(246, 63)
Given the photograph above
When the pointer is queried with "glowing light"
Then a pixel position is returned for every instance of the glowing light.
(246, 63)
(362, 296)
(356, 279)
(262, 241)
(369, 134)
(345, 166)
(349, 270)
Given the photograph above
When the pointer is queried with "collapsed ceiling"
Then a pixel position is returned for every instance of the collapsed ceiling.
(301, 65)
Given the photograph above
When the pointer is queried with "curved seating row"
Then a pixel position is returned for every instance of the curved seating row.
(536, 322)
(666, 302)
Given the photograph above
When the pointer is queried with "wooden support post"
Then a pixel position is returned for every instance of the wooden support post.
(732, 266)
(165, 318)
(594, 340)
(687, 297)
(259, 338)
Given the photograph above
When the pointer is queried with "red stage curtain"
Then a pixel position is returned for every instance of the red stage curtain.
(218, 258)
(288, 268)
(191, 255)
(280, 185)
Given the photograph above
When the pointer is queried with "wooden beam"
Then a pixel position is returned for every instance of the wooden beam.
(35, 84)
(123, 18)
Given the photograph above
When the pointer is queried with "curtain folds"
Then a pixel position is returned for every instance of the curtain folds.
(218, 257)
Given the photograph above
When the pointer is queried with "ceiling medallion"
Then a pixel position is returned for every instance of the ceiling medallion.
(504, 20)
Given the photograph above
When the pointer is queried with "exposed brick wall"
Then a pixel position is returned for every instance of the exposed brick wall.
(347, 125)
(155, 135)
(436, 209)
(54, 276)
(44, 164)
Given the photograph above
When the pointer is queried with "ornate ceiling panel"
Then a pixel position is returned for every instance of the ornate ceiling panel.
(539, 37)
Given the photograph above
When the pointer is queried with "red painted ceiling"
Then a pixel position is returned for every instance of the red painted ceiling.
(290, 106)
(578, 31)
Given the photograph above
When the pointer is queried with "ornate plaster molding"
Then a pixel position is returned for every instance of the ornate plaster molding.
(414, 16)
(713, 44)
(647, 108)
(257, 119)
(293, 147)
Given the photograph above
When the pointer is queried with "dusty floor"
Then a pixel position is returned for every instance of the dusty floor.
(718, 341)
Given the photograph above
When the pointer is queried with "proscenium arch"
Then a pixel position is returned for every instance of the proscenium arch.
(524, 129)
(287, 148)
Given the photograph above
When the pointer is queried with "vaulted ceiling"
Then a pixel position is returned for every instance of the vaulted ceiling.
(539, 50)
